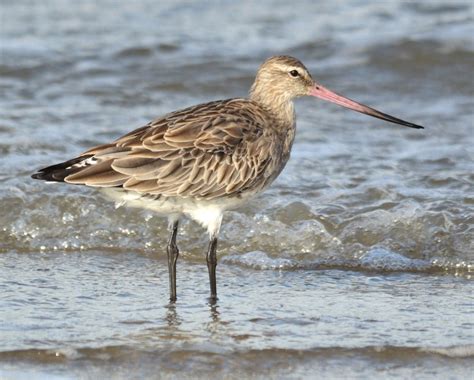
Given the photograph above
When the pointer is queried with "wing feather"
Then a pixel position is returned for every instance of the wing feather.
(97, 175)
(211, 150)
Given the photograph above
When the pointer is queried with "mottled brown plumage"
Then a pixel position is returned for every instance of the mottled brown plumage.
(218, 149)
(203, 160)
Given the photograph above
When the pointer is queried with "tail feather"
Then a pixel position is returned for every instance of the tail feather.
(58, 172)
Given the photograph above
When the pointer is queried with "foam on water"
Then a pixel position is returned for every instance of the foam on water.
(375, 260)
(259, 260)
(381, 259)
(465, 351)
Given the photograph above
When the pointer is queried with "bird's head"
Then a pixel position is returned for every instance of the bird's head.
(281, 79)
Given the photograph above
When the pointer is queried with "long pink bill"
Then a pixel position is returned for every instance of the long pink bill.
(323, 93)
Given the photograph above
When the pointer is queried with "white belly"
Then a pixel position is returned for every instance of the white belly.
(206, 212)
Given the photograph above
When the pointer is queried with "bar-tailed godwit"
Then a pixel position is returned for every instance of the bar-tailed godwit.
(205, 159)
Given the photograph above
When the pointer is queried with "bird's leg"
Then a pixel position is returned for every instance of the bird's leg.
(211, 266)
(173, 253)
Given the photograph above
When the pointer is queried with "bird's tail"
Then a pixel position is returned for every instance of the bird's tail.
(58, 172)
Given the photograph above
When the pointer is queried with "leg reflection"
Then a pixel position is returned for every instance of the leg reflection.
(172, 315)
(214, 313)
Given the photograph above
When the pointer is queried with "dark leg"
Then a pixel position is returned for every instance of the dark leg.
(211, 267)
(173, 253)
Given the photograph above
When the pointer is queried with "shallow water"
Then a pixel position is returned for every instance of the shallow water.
(356, 263)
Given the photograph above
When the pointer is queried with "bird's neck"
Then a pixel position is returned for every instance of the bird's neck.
(279, 107)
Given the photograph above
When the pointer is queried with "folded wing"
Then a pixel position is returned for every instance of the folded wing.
(207, 151)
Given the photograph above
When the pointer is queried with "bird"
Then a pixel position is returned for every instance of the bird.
(201, 161)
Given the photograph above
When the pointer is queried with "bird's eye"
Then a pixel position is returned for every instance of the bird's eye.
(294, 73)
